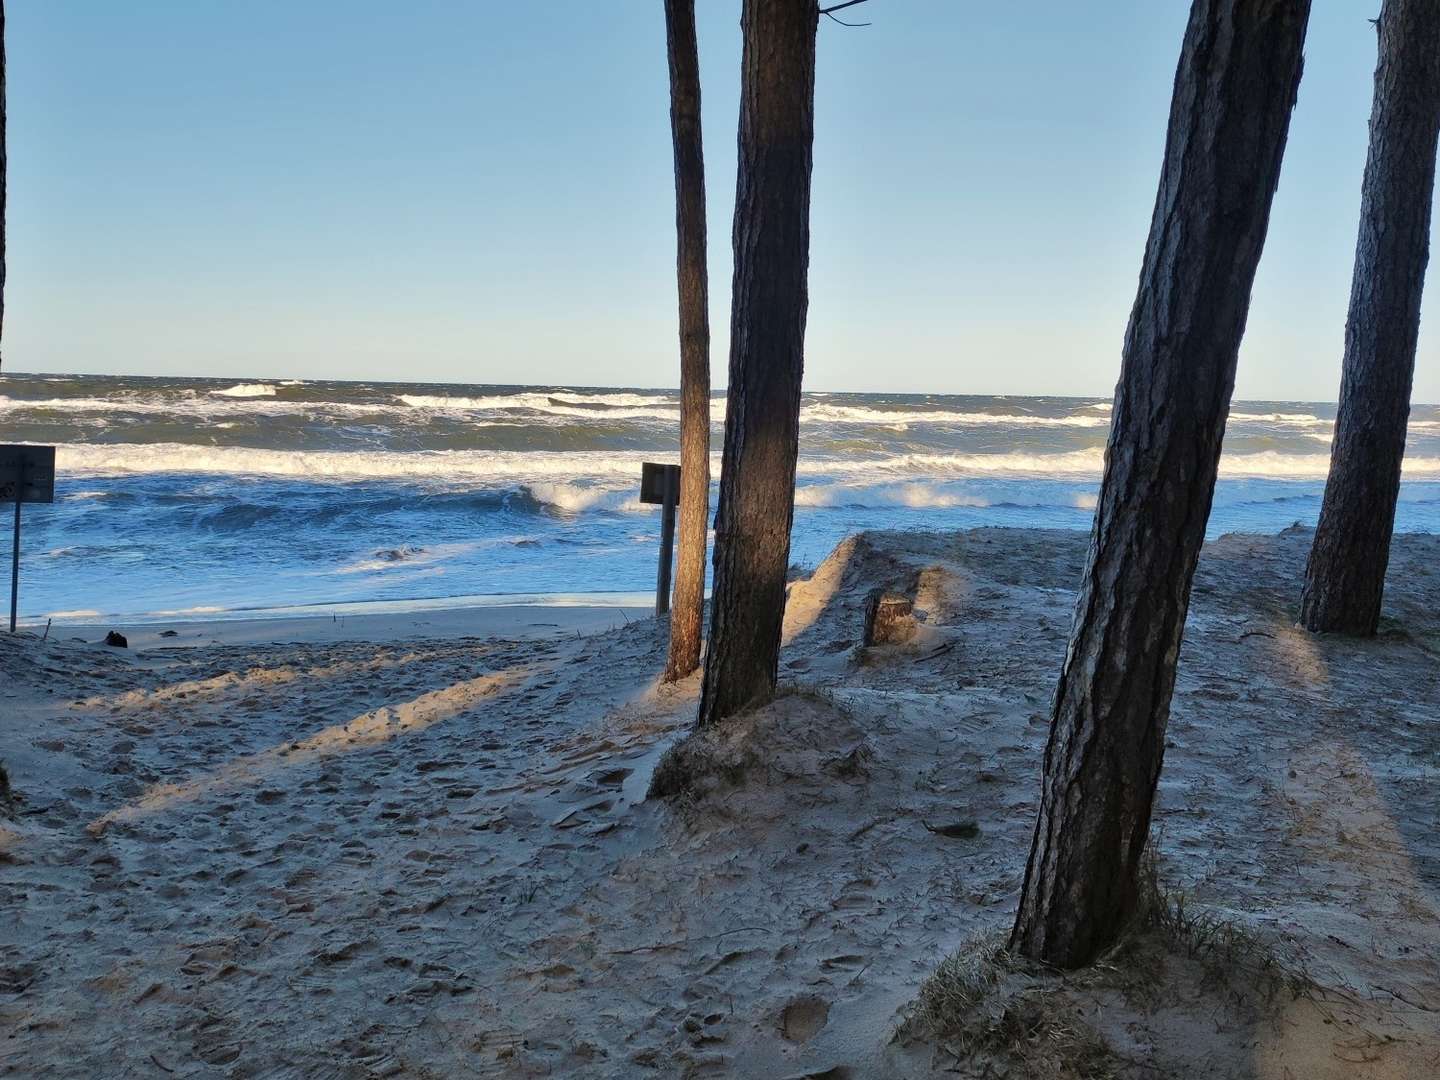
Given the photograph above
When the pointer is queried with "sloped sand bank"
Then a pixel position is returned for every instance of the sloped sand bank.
(433, 858)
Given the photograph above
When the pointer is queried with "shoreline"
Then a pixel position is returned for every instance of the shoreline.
(510, 621)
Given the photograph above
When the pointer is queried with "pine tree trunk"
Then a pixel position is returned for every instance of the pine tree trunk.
(767, 339)
(1234, 90)
(4, 171)
(689, 604)
(1345, 576)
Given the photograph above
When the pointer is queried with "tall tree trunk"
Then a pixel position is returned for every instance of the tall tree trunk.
(4, 172)
(767, 344)
(688, 608)
(1346, 572)
(1234, 90)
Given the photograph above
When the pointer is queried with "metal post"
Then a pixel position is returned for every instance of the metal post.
(667, 540)
(15, 552)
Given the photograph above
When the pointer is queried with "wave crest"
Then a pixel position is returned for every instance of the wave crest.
(246, 390)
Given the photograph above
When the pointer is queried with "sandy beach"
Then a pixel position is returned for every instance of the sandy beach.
(419, 846)
(517, 621)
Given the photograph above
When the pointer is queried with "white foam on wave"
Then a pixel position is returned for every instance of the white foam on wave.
(607, 407)
(575, 498)
(1301, 419)
(512, 465)
(864, 414)
(246, 390)
(904, 466)
(193, 408)
(568, 407)
(411, 561)
(602, 407)
(913, 495)
(621, 466)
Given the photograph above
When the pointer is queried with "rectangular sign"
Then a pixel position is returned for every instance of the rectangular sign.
(36, 465)
(653, 479)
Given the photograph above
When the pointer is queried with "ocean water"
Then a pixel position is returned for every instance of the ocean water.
(201, 497)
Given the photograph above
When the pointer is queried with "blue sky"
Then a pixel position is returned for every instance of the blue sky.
(452, 190)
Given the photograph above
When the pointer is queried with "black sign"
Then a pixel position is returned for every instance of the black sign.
(653, 479)
(30, 470)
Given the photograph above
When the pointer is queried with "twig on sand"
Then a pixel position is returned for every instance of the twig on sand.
(160, 1064)
(1408, 1001)
(863, 829)
(931, 655)
(959, 830)
(667, 945)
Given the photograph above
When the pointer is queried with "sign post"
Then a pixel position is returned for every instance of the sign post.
(27, 474)
(661, 484)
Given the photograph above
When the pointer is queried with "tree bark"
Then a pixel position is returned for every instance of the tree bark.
(4, 172)
(767, 339)
(688, 607)
(1229, 116)
(1345, 576)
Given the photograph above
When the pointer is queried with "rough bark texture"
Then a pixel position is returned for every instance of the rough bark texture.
(767, 337)
(1234, 90)
(1346, 573)
(4, 171)
(688, 607)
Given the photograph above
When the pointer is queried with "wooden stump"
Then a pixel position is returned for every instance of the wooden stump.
(889, 618)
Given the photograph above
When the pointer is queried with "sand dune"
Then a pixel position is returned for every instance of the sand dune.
(433, 857)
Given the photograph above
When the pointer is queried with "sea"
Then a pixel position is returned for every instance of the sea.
(202, 498)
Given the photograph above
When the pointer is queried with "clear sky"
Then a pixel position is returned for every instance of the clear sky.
(455, 190)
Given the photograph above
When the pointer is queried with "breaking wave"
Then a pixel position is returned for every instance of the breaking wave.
(122, 458)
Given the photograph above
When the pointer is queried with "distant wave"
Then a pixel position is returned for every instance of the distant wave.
(913, 495)
(922, 496)
(637, 406)
(247, 390)
(217, 403)
(479, 465)
(863, 414)
(566, 407)
(530, 399)
(618, 406)
(1278, 418)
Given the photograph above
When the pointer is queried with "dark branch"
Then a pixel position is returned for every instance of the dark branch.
(837, 7)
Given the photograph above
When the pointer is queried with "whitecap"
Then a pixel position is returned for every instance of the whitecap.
(246, 390)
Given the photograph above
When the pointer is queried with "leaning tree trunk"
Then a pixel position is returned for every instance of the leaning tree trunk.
(1346, 573)
(767, 339)
(688, 608)
(1234, 90)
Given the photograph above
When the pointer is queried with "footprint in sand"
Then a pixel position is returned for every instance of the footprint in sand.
(802, 1019)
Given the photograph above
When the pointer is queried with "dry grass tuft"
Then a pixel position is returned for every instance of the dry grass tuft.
(995, 1011)
(984, 1004)
(700, 762)
(1228, 954)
